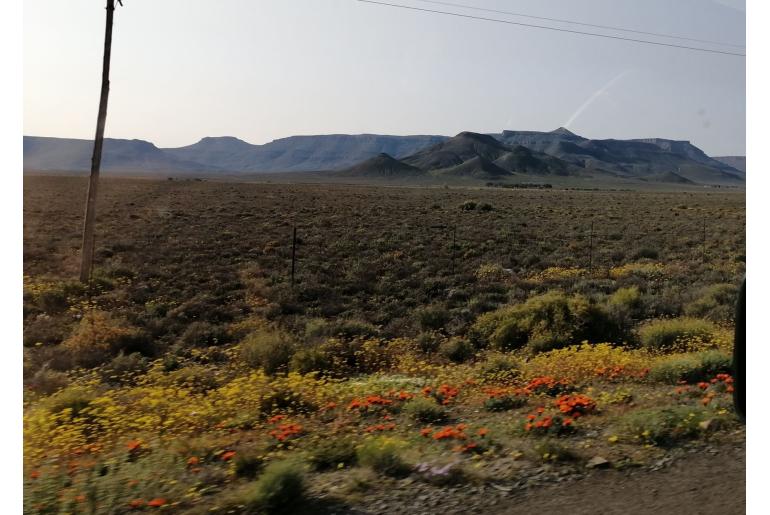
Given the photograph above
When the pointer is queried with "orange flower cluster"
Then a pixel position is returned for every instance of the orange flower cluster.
(390, 426)
(619, 371)
(575, 405)
(444, 394)
(451, 432)
(372, 400)
(134, 445)
(547, 385)
(286, 431)
(401, 396)
(456, 433)
(227, 455)
(539, 422)
(722, 382)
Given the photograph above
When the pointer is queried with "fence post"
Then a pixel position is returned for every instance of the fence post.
(454, 241)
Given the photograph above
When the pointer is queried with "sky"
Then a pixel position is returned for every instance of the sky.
(266, 69)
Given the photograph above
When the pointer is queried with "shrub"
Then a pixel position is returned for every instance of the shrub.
(45, 330)
(548, 450)
(646, 253)
(456, 349)
(662, 335)
(74, 398)
(204, 334)
(195, 377)
(383, 455)
(546, 322)
(715, 302)
(99, 336)
(701, 366)
(279, 489)
(468, 205)
(627, 298)
(247, 464)
(499, 368)
(580, 363)
(330, 453)
(662, 426)
(432, 318)
(124, 365)
(491, 272)
(425, 410)
(311, 359)
(46, 381)
(268, 350)
(353, 328)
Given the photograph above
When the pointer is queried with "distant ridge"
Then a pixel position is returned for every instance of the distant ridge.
(557, 153)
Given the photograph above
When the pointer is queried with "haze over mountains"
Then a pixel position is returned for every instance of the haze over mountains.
(510, 155)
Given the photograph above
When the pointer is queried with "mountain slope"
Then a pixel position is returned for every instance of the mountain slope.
(381, 165)
(737, 162)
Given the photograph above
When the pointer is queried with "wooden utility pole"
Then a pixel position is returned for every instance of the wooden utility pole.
(591, 248)
(87, 249)
(293, 253)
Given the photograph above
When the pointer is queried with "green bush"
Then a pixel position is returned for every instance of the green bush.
(505, 402)
(383, 455)
(546, 322)
(500, 368)
(666, 334)
(457, 350)
(432, 318)
(126, 365)
(75, 399)
(268, 350)
(311, 359)
(330, 453)
(627, 298)
(425, 410)
(548, 450)
(247, 464)
(99, 336)
(700, 366)
(280, 489)
(662, 426)
(715, 302)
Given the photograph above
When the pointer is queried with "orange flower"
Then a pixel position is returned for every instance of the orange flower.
(193, 460)
(527, 426)
(331, 405)
(426, 431)
(80, 498)
(136, 503)
(275, 418)
(132, 483)
(134, 445)
(227, 456)
(482, 432)
(34, 474)
(157, 502)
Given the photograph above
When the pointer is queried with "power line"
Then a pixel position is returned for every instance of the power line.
(508, 22)
(610, 27)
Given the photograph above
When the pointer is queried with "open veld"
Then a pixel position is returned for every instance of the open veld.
(451, 350)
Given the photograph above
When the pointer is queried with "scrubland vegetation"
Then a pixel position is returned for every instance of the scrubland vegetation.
(425, 346)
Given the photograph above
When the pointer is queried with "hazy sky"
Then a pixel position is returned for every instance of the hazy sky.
(266, 69)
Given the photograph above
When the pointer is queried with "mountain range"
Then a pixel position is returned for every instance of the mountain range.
(505, 155)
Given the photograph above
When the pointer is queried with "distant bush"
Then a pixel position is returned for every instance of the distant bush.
(279, 489)
(204, 334)
(456, 349)
(75, 399)
(268, 350)
(468, 205)
(646, 253)
(500, 368)
(661, 335)
(425, 410)
(383, 455)
(247, 464)
(195, 377)
(432, 318)
(124, 365)
(694, 367)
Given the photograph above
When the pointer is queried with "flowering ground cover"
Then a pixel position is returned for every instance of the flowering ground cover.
(191, 377)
